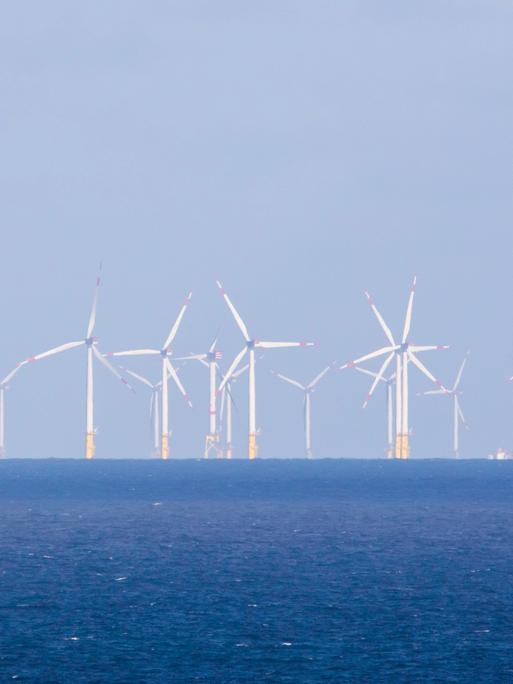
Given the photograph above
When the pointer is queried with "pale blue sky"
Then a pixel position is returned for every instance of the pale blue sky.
(301, 152)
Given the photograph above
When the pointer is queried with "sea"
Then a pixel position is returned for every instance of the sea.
(221, 572)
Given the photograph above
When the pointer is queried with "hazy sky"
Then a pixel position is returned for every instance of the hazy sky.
(299, 151)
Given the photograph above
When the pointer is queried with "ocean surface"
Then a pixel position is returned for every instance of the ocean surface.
(270, 571)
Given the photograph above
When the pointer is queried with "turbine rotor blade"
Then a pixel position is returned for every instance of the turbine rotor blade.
(460, 412)
(422, 368)
(55, 350)
(134, 352)
(176, 325)
(318, 378)
(381, 320)
(409, 309)
(282, 345)
(372, 355)
(378, 377)
(92, 315)
(460, 373)
(240, 371)
(141, 378)
(235, 313)
(233, 367)
(10, 375)
(289, 380)
(173, 374)
(366, 371)
(110, 367)
(415, 348)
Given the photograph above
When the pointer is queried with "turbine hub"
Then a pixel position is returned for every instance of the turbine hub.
(89, 341)
(404, 347)
(250, 344)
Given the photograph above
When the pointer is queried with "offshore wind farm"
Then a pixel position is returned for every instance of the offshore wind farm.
(256, 352)
(400, 351)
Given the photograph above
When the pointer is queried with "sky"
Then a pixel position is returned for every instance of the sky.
(301, 153)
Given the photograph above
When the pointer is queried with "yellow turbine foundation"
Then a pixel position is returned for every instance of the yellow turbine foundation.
(89, 445)
(402, 446)
(253, 449)
(164, 448)
(229, 451)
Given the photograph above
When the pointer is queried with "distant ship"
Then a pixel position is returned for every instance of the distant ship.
(501, 455)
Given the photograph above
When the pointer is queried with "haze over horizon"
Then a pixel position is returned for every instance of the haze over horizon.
(300, 153)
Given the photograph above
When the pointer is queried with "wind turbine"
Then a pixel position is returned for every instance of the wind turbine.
(249, 348)
(389, 382)
(91, 345)
(4, 385)
(307, 391)
(168, 370)
(405, 353)
(227, 399)
(154, 405)
(210, 359)
(455, 393)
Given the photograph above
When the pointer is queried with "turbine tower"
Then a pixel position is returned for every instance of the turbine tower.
(227, 399)
(389, 382)
(307, 392)
(405, 353)
(209, 359)
(4, 385)
(91, 345)
(249, 348)
(154, 406)
(168, 370)
(455, 393)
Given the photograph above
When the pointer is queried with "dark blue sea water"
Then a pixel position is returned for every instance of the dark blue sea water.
(271, 571)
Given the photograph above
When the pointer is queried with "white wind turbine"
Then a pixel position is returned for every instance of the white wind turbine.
(209, 359)
(455, 393)
(168, 370)
(404, 353)
(307, 392)
(249, 348)
(389, 382)
(91, 345)
(227, 400)
(4, 385)
(154, 406)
